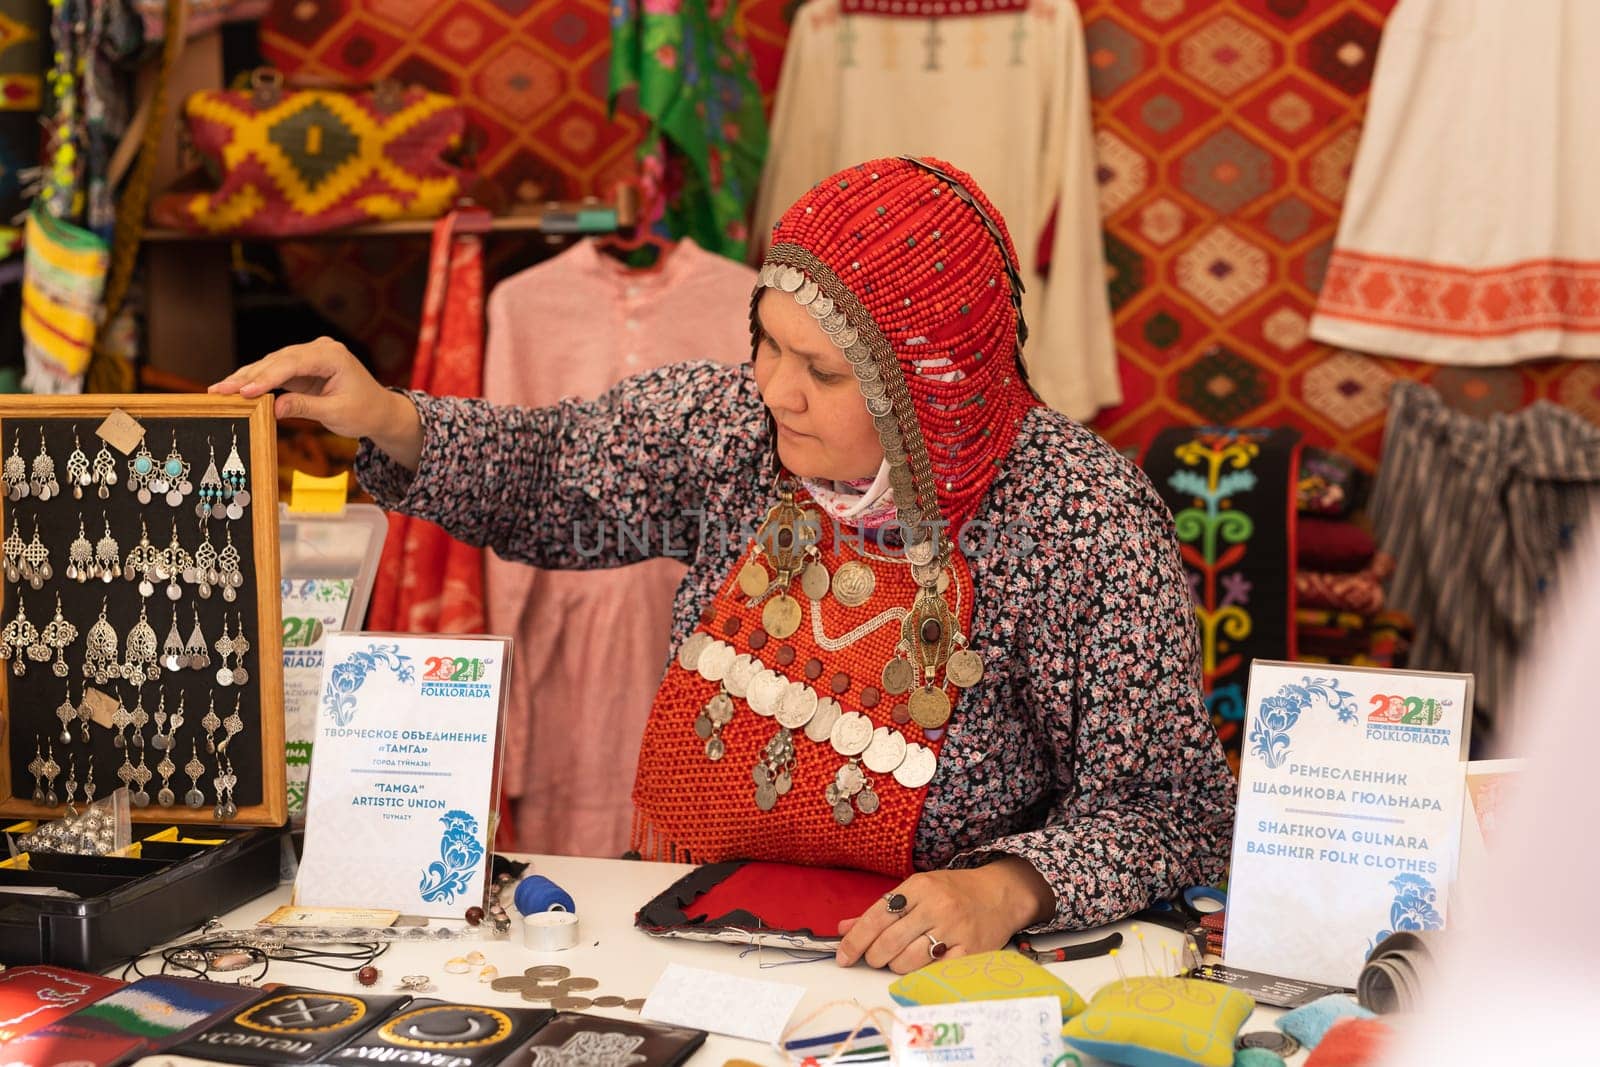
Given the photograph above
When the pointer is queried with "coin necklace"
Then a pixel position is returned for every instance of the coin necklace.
(788, 540)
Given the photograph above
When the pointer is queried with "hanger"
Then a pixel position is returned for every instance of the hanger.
(628, 242)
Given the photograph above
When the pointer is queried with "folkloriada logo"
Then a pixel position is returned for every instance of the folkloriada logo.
(1409, 719)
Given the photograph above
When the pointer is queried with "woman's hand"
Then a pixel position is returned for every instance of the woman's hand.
(323, 382)
(967, 911)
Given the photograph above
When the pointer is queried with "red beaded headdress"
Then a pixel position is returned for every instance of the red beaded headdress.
(909, 268)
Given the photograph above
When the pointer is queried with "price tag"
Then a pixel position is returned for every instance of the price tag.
(1025, 1032)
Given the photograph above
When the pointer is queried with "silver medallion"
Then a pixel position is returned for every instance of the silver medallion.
(766, 690)
(715, 749)
(853, 584)
(715, 661)
(766, 797)
(916, 769)
(898, 676)
(849, 779)
(814, 580)
(843, 813)
(720, 709)
(866, 801)
(887, 750)
(224, 676)
(737, 679)
(797, 705)
(820, 726)
(703, 727)
(965, 668)
(689, 651)
(851, 734)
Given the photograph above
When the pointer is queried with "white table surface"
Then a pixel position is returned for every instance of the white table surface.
(627, 962)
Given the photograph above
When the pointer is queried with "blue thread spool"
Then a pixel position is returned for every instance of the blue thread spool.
(537, 893)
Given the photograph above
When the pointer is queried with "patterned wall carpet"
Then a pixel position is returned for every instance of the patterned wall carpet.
(1225, 129)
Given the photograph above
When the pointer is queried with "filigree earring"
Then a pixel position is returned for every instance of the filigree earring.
(43, 479)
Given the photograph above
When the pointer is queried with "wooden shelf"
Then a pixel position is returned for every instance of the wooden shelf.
(555, 219)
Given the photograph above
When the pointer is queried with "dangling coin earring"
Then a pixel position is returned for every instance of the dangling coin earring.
(120, 720)
(236, 481)
(194, 769)
(58, 634)
(175, 475)
(228, 573)
(161, 741)
(78, 474)
(80, 556)
(85, 713)
(175, 562)
(13, 548)
(51, 769)
(141, 778)
(125, 772)
(173, 658)
(141, 718)
(143, 559)
(107, 557)
(100, 650)
(241, 645)
(224, 647)
(43, 479)
(36, 768)
(140, 651)
(204, 574)
(166, 768)
(211, 724)
(195, 650)
(232, 727)
(142, 472)
(105, 472)
(36, 561)
(66, 711)
(16, 638)
(15, 471)
(224, 783)
(212, 492)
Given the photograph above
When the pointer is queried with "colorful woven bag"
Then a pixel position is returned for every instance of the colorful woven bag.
(64, 273)
(297, 161)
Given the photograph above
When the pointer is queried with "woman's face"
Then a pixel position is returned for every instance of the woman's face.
(824, 428)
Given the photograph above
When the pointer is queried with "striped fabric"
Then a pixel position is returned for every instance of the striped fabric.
(64, 276)
(1476, 514)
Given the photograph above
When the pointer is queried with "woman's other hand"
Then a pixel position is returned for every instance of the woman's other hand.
(323, 382)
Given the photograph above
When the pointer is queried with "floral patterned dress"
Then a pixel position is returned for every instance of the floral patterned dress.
(1085, 749)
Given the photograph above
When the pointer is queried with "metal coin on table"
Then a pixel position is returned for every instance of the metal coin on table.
(929, 707)
(609, 1002)
(572, 1004)
(820, 728)
(814, 580)
(853, 584)
(548, 972)
(715, 661)
(965, 668)
(509, 985)
(766, 690)
(916, 769)
(866, 802)
(689, 651)
(898, 676)
(781, 616)
(737, 679)
(796, 706)
(851, 734)
(1271, 1040)
(753, 579)
(887, 750)
(580, 984)
(542, 992)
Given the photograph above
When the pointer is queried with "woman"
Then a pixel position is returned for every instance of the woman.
(929, 625)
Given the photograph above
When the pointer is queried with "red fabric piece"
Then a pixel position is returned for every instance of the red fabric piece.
(1359, 592)
(1351, 1043)
(1330, 545)
(428, 582)
(785, 896)
(32, 997)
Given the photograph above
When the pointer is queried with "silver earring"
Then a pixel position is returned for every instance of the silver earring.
(88, 784)
(51, 768)
(174, 480)
(142, 472)
(232, 727)
(121, 719)
(211, 724)
(204, 574)
(15, 471)
(194, 769)
(224, 783)
(13, 548)
(236, 481)
(141, 778)
(224, 647)
(19, 634)
(212, 492)
(173, 657)
(66, 711)
(36, 768)
(36, 561)
(78, 474)
(140, 651)
(166, 768)
(105, 471)
(161, 741)
(85, 713)
(143, 559)
(141, 719)
(175, 562)
(58, 634)
(107, 557)
(241, 645)
(100, 650)
(43, 480)
(80, 556)
(196, 652)
(228, 573)
(71, 784)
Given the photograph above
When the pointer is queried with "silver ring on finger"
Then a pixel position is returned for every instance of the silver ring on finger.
(895, 903)
(936, 948)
